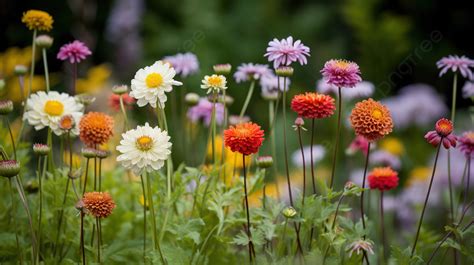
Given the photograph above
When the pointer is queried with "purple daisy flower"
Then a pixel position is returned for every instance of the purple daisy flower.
(455, 63)
(466, 143)
(183, 63)
(203, 111)
(384, 158)
(285, 51)
(468, 90)
(341, 73)
(75, 52)
(269, 85)
(248, 71)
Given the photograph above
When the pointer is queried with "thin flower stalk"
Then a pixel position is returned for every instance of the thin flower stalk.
(124, 112)
(313, 179)
(338, 136)
(156, 242)
(142, 181)
(46, 71)
(453, 116)
(12, 217)
(249, 234)
(426, 202)
(247, 99)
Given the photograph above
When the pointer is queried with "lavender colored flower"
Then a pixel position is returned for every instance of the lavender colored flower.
(203, 111)
(468, 89)
(341, 73)
(456, 63)
(74, 52)
(183, 63)
(458, 162)
(285, 52)
(363, 89)
(269, 85)
(406, 109)
(384, 158)
(249, 71)
(466, 144)
(318, 154)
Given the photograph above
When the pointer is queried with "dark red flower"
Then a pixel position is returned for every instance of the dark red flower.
(383, 178)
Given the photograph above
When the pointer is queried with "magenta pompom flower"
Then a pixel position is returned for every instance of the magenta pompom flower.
(442, 134)
(74, 52)
(466, 143)
(250, 71)
(183, 63)
(285, 51)
(341, 73)
(456, 63)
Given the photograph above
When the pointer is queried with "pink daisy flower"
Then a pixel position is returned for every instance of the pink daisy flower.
(455, 63)
(285, 51)
(75, 52)
(442, 134)
(341, 73)
(183, 63)
(358, 144)
(466, 143)
(248, 71)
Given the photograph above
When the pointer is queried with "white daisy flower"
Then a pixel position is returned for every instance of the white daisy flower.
(214, 83)
(46, 110)
(144, 148)
(150, 84)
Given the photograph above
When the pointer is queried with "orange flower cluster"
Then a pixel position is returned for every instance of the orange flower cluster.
(312, 105)
(99, 204)
(371, 120)
(96, 128)
(383, 178)
(244, 138)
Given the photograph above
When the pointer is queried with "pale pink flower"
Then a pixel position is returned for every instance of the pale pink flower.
(183, 63)
(285, 52)
(250, 71)
(341, 73)
(456, 63)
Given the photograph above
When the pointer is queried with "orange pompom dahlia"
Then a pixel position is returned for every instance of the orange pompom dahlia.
(312, 105)
(383, 178)
(244, 138)
(98, 204)
(371, 119)
(96, 128)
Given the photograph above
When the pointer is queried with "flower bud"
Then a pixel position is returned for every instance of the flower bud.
(101, 153)
(236, 119)
(9, 168)
(289, 212)
(31, 186)
(85, 99)
(119, 89)
(20, 69)
(44, 41)
(6, 107)
(66, 123)
(444, 127)
(192, 99)
(88, 152)
(349, 185)
(264, 162)
(284, 71)
(299, 122)
(222, 69)
(41, 149)
(269, 95)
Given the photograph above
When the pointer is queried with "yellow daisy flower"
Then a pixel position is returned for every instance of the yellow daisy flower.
(37, 20)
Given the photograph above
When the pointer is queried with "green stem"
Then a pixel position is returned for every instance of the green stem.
(46, 72)
(144, 217)
(224, 126)
(21, 192)
(85, 177)
(98, 238)
(362, 215)
(41, 175)
(304, 165)
(83, 251)
(426, 200)
(311, 156)
(271, 115)
(249, 234)
(382, 228)
(156, 243)
(11, 137)
(32, 68)
(213, 127)
(12, 216)
(285, 145)
(247, 99)
(337, 211)
(338, 136)
(50, 156)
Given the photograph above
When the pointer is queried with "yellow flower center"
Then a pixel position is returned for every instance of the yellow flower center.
(377, 114)
(154, 80)
(144, 143)
(53, 108)
(215, 81)
(342, 64)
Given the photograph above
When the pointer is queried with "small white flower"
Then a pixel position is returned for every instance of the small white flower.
(318, 154)
(144, 149)
(46, 109)
(214, 83)
(150, 84)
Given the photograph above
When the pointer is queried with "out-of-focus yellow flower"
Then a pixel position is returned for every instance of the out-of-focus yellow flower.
(37, 20)
(392, 145)
(271, 191)
(14, 56)
(76, 159)
(231, 158)
(95, 79)
(13, 87)
(142, 201)
(418, 174)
